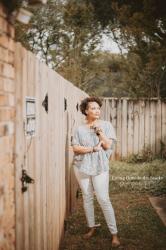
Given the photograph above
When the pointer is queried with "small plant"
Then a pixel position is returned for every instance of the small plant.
(145, 156)
(163, 150)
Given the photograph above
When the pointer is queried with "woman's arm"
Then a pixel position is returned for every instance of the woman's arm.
(105, 136)
(82, 150)
(106, 141)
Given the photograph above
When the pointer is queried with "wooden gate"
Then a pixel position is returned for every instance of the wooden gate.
(42, 149)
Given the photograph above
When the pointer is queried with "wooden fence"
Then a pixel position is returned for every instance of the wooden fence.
(42, 149)
(42, 146)
(140, 125)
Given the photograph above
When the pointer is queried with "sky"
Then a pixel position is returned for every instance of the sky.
(107, 44)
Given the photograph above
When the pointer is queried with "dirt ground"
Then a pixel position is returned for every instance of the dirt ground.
(139, 226)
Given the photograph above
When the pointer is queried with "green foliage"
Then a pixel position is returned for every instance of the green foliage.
(145, 177)
(140, 27)
(65, 35)
(145, 156)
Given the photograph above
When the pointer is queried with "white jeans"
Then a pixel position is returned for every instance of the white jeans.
(100, 185)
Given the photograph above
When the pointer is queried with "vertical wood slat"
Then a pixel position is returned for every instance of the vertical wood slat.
(130, 129)
(44, 155)
(152, 126)
(19, 147)
(158, 126)
(136, 127)
(163, 121)
(124, 128)
(113, 118)
(30, 91)
(147, 124)
(25, 165)
(118, 130)
(37, 194)
(141, 125)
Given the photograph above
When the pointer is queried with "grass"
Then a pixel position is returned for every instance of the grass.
(146, 177)
(139, 227)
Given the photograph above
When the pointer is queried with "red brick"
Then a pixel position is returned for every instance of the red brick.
(6, 70)
(6, 128)
(2, 11)
(10, 58)
(6, 56)
(2, 129)
(7, 100)
(8, 85)
(11, 31)
(3, 25)
(7, 114)
(5, 146)
(3, 54)
(1, 84)
(5, 159)
(3, 100)
(7, 42)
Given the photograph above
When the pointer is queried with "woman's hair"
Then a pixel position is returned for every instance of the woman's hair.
(84, 103)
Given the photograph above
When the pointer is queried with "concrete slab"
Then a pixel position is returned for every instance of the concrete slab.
(159, 204)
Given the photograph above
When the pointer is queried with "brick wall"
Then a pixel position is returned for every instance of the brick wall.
(7, 114)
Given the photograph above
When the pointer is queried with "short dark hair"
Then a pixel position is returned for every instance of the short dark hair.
(84, 103)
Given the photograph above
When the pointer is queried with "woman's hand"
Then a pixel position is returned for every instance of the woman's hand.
(97, 130)
(98, 147)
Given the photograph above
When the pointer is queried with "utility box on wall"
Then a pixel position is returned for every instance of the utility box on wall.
(30, 116)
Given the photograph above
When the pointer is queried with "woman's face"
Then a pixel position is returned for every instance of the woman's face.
(93, 110)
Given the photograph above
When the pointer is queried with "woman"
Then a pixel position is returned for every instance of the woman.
(92, 145)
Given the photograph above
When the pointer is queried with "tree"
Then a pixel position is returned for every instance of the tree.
(64, 34)
(140, 26)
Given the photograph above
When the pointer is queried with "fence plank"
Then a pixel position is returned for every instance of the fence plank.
(130, 127)
(141, 125)
(25, 165)
(158, 127)
(37, 163)
(124, 128)
(152, 125)
(136, 127)
(113, 119)
(164, 123)
(119, 129)
(19, 147)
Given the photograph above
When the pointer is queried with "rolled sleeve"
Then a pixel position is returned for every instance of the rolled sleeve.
(75, 138)
(110, 131)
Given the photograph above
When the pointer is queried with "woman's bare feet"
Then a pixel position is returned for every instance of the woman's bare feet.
(115, 241)
(90, 233)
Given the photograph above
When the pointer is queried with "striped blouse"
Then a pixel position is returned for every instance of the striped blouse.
(96, 162)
